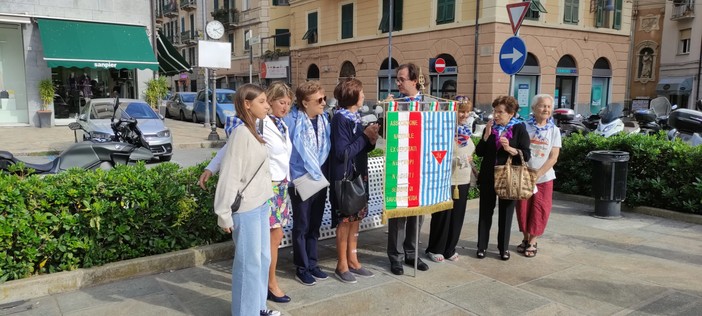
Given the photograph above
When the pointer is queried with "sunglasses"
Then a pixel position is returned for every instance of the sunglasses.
(322, 99)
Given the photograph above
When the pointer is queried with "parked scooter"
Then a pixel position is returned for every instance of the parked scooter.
(687, 126)
(611, 122)
(654, 119)
(568, 122)
(126, 147)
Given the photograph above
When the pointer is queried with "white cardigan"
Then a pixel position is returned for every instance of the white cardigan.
(243, 156)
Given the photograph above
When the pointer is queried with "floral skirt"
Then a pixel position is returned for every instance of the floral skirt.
(280, 205)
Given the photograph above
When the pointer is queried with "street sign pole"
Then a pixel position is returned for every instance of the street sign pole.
(516, 13)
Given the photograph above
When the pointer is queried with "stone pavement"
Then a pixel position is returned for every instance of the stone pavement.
(636, 265)
(24, 141)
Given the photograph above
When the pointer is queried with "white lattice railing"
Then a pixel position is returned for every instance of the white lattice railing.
(375, 205)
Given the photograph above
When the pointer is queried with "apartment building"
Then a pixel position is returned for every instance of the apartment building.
(577, 50)
(681, 53)
(257, 30)
(647, 30)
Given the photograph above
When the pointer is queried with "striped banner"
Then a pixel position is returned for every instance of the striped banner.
(434, 106)
(414, 106)
(392, 106)
(452, 106)
(418, 163)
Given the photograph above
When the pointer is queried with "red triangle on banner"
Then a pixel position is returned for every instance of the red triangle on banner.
(439, 155)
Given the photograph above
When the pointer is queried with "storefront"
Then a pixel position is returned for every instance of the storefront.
(526, 84)
(601, 80)
(566, 83)
(93, 60)
(13, 86)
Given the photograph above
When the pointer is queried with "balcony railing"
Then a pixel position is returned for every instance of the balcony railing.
(683, 9)
(174, 39)
(189, 38)
(170, 9)
(230, 18)
(188, 5)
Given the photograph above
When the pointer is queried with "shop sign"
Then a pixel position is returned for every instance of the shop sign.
(105, 65)
(275, 69)
(567, 71)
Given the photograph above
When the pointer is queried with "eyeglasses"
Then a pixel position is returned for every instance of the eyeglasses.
(401, 80)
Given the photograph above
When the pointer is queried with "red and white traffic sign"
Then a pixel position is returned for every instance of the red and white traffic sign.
(440, 65)
(517, 12)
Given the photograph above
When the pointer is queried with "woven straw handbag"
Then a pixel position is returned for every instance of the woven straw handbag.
(514, 182)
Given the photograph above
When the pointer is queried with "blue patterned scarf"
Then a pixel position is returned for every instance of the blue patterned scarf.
(351, 116)
(278, 123)
(549, 124)
(463, 135)
(506, 131)
(232, 123)
(313, 147)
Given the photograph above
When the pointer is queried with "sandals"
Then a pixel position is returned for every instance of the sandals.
(453, 257)
(435, 257)
(523, 246)
(531, 251)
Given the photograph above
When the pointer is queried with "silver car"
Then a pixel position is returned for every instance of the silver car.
(181, 106)
(95, 120)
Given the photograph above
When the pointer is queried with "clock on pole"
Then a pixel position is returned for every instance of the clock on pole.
(215, 29)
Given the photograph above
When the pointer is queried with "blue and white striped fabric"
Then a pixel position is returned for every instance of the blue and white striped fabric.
(438, 129)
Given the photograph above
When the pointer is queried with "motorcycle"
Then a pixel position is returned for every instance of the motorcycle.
(654, 119)
(568, 122)
(687, 126)
(127, 146)
(611, 122)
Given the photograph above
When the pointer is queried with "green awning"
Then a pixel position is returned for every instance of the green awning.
(95, 45)
(170, 61)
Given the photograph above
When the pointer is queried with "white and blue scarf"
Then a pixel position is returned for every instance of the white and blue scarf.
(351, 116)
(549, 124)
(463, 135)
(313, 147)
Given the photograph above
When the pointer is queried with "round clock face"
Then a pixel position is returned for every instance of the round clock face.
(215, 29)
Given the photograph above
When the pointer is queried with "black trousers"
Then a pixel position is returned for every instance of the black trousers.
(446, 225)
(505, 212)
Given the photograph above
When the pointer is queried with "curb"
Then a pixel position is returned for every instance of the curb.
(54, 283)
(646, 210)
(42, 285)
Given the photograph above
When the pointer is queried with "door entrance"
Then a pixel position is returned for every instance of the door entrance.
(565, 92)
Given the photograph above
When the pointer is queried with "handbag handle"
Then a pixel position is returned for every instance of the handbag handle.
(254, 175)
(521, 157)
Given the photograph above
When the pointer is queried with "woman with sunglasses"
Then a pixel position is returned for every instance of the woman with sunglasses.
(310, 135)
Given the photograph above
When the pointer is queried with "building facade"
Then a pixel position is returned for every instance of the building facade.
(77, 77)
(258, 32)
(577, 50)
(681, 56)
(647, 30)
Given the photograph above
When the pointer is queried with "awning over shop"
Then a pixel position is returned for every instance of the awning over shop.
(674, 85)
(95, 45)
(170, 61)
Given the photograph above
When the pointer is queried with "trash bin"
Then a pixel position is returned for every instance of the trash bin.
(609, 169)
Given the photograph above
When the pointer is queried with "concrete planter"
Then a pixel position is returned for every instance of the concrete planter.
(45, 118)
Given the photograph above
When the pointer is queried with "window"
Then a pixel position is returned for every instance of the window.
(396, 16)
(684, 46)
(247, 39)
(281, 2)
(347, 20)
(182, 24)
(244, 5)
(231, 40)
(609, 16)
(534, 11)
(216, 4)
(191, 53)
(570, 14)
(282, 40)
(311, 34)
(192, 24)
(445, 11)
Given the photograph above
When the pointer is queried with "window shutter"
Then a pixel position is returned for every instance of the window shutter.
(599, 13)
(440, 11)
(575, 11)
(383, 27)
(275, 2)
(567, 8)
(618, 14)
(283, 40)
(397, 15)
(347, 21)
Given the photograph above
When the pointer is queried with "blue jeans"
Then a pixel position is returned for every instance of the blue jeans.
(252, 258)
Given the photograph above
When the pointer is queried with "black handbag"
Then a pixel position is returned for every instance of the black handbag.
(351, 194)
(237, 201)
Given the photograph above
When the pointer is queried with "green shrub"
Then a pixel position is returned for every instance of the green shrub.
(85, 218)
(661, 173)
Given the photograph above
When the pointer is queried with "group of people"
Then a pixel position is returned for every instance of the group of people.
(274, 144)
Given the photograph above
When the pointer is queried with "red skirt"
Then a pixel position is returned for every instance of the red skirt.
(533, 213)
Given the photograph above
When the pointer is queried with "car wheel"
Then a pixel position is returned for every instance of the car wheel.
(219, 122)
(194, 117)
(165, 158)
(182, 116)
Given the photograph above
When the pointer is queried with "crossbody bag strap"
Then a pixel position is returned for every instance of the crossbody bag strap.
(254, 175)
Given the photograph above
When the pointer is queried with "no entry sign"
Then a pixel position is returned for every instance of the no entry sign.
(440, 65)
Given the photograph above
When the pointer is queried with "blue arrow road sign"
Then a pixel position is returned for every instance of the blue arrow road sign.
(513, 55)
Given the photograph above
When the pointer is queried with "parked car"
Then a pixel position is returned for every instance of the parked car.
(97, 114)
(181, 105)
(225, 106)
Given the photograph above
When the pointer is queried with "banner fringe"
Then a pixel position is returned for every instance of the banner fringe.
(416, 211)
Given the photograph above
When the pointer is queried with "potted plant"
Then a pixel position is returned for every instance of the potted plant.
(46, 94)
(156, 89)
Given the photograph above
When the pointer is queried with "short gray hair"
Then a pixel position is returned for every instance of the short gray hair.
(535, 100)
